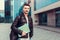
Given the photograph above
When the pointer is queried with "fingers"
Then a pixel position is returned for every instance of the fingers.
(23, 33)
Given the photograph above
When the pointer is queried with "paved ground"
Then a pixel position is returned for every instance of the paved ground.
(40, 33)
(4, 31)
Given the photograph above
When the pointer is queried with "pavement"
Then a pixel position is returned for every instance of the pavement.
(49, 28)
(40, 32)
(4, 31)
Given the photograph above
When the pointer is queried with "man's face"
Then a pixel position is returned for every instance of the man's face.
(26, 9)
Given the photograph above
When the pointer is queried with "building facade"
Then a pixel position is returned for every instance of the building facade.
(9, 9)
(46, 12)
(43, 12)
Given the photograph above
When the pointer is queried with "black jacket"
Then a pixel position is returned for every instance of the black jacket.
(19, 21)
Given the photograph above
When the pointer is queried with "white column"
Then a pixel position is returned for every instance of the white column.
(32, 11)
(1, 4)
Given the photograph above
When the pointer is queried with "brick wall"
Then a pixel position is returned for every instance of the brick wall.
(51, 18)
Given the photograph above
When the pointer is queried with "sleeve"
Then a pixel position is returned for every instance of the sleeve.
(31, 25)
(14, 28)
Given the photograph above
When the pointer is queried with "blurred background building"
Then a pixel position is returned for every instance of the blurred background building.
(43, 12)
(1, 10)
(46, 12)
(9, 9)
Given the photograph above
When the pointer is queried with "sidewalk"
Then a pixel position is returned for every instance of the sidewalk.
(40, 32)
(53, 29)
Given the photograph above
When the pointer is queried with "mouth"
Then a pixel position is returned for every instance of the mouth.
(26, 11)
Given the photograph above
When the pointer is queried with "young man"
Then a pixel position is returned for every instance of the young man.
(20, 21)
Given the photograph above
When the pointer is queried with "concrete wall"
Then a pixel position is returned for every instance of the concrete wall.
(36, 18)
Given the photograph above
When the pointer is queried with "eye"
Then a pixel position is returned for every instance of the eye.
(28, 8)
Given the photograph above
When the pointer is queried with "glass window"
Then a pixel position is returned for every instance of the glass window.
(43, 19)
(42, 3)
(5, 13)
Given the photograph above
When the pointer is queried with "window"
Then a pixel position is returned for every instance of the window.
(42, 3)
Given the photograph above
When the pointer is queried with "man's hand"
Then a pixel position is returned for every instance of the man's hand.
(23, 33)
